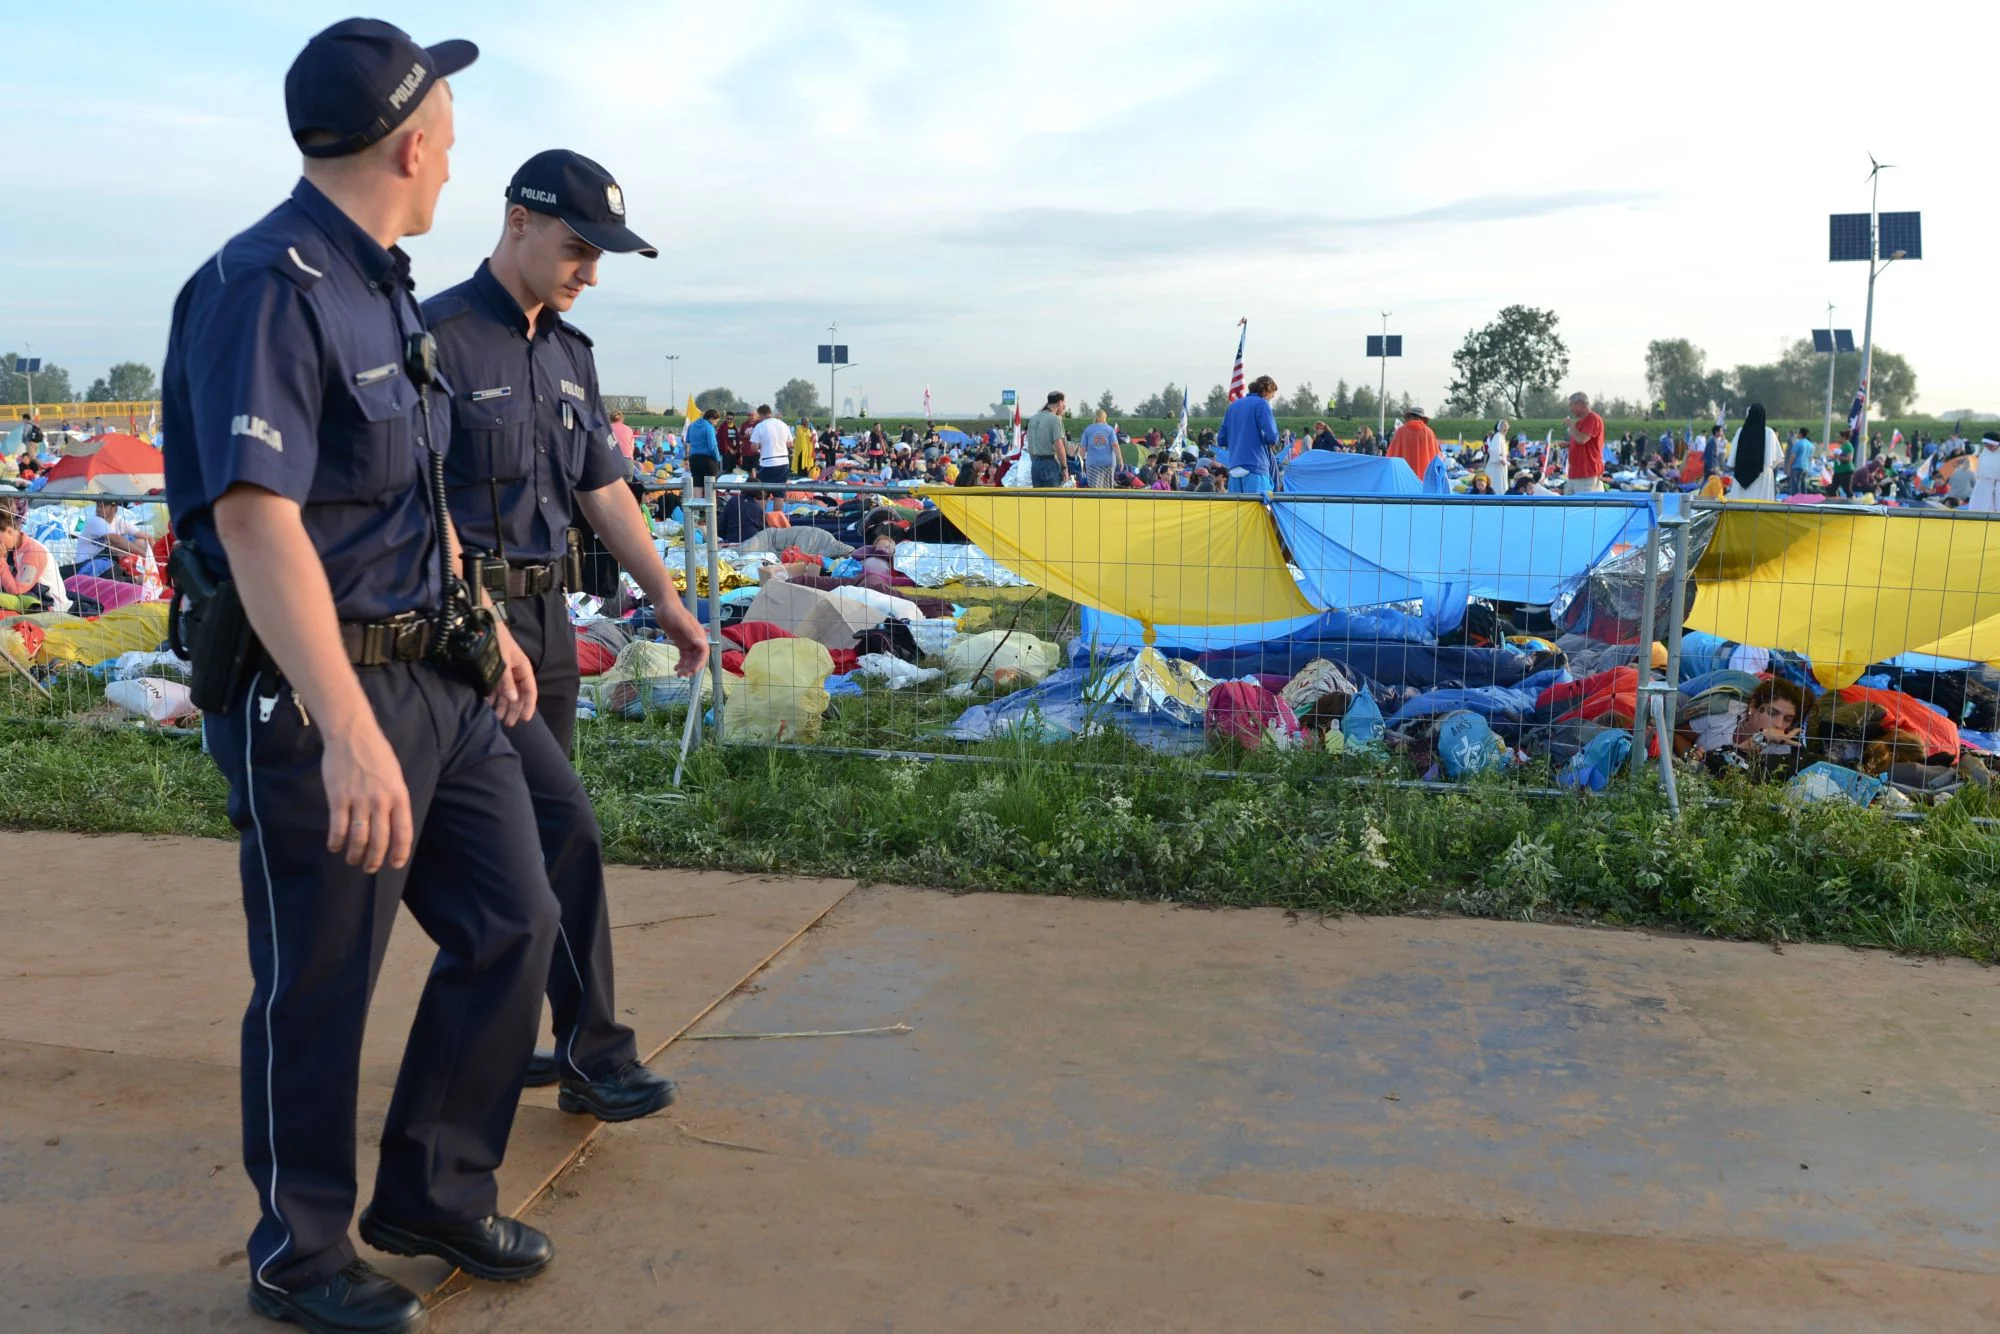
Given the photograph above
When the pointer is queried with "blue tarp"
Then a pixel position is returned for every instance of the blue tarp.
(1056, 709)
(1322, 472)
(1107, 632)
(1512, 548)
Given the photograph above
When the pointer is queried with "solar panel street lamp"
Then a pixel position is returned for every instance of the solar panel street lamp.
(1384, 346)
(1832, 342)
(1881, 239)
(833, 356)
(28, 366)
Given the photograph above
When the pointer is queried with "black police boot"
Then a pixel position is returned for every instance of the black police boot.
(357, 1300)
(633, 1092)
(541, 1070)
(497, 1248)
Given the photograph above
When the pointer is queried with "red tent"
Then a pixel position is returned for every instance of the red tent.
(119, 465)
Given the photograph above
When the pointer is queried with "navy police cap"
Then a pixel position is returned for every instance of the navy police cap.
(570, 186)
(359, 80)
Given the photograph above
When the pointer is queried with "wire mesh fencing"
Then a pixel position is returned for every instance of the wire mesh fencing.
(1551, 643)
(82, 612)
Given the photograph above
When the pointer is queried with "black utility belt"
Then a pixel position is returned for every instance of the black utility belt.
(405, 638)
(521, 581)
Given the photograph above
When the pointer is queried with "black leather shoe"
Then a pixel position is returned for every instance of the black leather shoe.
(541, 1070)
(357, 1300)
(633, 1092)
(498, 1248)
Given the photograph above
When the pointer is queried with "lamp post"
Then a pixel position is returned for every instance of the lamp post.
(1881, 239)
(673, 394)
(833, 356)
(1384, 346)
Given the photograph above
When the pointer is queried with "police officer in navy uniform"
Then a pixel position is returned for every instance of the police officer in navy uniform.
(364, 772)
(531, 447)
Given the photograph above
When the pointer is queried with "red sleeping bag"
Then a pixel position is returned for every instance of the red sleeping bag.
(592, 657)
(1905, 714)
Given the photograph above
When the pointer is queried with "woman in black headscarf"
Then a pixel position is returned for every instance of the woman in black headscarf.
(1752, 456)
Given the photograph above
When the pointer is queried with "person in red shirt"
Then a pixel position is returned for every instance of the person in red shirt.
(1414, 442)
(1586, 447)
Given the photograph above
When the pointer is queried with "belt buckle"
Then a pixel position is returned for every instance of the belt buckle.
(408, 639)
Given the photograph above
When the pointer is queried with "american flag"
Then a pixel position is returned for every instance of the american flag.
(1236, 389)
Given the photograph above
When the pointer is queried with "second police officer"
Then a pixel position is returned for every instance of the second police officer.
(341, 672)
(531, 446)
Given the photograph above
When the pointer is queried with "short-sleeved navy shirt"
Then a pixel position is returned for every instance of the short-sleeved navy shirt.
(527, 421)
(284, 371)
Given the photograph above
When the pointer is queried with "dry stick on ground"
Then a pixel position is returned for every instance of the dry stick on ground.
(1019, 607)
(823, 1033)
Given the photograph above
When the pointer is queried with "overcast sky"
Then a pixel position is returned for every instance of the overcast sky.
(1082, 194)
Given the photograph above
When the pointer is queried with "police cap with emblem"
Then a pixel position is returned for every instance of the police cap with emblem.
(570, 186)
(359, 80)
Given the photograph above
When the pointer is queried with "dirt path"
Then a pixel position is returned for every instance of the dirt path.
(1129, 1117)
(1105, 1117)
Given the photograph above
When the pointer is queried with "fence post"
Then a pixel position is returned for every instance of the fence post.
(714, 545)
(1649, 609)
(1682, 526)
(691, 512)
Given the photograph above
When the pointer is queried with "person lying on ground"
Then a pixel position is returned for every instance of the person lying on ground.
(1767, 722)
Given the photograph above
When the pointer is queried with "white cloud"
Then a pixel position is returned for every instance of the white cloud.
(1090, 194)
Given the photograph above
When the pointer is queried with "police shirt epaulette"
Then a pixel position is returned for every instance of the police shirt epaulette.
(299, 258)
(575, 332)
(444, 306)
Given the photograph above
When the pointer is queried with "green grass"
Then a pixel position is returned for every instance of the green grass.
(1293, 836)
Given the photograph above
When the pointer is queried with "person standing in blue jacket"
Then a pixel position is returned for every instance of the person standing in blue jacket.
(704, 456)
(1249, 433)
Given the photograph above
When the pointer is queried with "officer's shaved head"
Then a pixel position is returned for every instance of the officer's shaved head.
(391, 187)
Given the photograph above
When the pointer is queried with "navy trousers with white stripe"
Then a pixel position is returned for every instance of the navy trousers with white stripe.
(590, 1042)
(317, 931)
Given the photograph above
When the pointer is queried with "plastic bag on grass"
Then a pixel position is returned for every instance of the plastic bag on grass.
(782, 695)
(151, 698)
(644, 679)
(889, 670)
(1009, 659)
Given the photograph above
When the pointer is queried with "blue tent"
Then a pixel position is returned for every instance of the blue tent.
(1321, 472)
(1512, 548)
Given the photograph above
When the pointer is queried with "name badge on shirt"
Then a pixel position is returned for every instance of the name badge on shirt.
(481, 395)
(378, 374)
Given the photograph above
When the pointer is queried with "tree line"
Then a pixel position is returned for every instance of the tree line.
(126, 382)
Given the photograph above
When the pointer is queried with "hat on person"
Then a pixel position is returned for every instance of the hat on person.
(1990, 438)
(360, 79)
(570, 186)
(1415, 411)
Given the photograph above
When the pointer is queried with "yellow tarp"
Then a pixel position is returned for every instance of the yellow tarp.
(1160, 562)
(1847, 590)
(137, 628)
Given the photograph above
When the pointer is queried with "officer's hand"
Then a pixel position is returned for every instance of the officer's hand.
(514, 698)
(368, 806)
(684, 632)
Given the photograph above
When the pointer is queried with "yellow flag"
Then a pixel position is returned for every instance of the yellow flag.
(692, 411)
(1160, 562)
(1847, 590)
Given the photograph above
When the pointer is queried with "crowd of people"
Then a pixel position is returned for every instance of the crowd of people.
(1248, 452)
